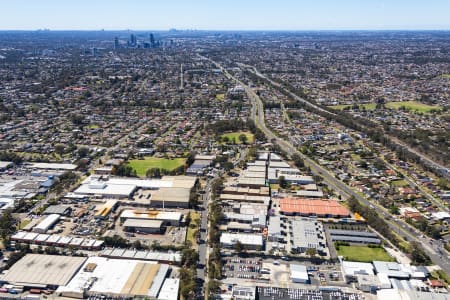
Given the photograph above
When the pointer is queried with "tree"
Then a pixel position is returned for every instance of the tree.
(311, 252)
(243, 138)
(418, 255)
(443, 183)
(298, 161)
(282, 182)
(83, 152)
(7, 224)
(153, 172)
(59, 148)
(238, 247)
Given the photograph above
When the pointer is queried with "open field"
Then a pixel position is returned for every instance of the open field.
(220, 97)
(410, 105)
(399, 183)
(447, 76)
(236, 135)
(142, 165)
(24, 223)
(192, 229)
(363, 253)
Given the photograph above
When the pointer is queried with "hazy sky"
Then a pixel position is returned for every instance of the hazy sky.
(225, 14)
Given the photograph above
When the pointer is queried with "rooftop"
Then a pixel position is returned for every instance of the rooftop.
(40, 269)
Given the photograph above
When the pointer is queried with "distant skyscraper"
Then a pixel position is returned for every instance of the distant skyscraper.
(133, 40)
(116, 43)
(152, 40)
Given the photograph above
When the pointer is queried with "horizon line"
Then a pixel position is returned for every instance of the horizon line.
(233, 30)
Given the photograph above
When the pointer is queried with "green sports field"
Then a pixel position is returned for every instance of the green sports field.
(236, 135)
(142, 165)
(363, 253)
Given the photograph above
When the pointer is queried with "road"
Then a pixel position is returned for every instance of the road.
(396, 225)
(203, 248)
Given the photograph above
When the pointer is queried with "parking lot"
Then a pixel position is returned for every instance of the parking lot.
(246, 268)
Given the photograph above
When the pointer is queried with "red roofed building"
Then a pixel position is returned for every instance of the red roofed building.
(306, 207)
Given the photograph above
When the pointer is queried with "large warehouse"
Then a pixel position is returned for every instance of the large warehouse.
(169, 218)
(249, 241)
(147, 226)
(38, 270)
(46, 224)
(172, 191)
(117, 277)
(306, 207)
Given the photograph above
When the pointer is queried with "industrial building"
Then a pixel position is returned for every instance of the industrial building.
(299, 274)
(400, 271)
(147, 226)
(249, 241)
(162, 257)
(124, 188)
(63, 210)
(47, 223)
(41, 271)
(306, 207)
(171, 197)
(51, 166)
(56, 240)
(245, 198)
(169, 218)
(353, 236)
(169, 289)
(116, 277)
(307, 234)
(351, 270)
(274, 230)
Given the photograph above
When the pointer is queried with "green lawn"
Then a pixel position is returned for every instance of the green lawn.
(446, 76)
(220, 97)
(399, 183)
(363, 254)
(236, 135)
(24, 223)
(411, 105)
(142, 165)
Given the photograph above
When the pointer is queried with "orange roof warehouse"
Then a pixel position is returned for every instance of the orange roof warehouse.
(306, 207)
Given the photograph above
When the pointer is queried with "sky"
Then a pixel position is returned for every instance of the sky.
(224, 14)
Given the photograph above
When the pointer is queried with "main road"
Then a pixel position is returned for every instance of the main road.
(432, 248)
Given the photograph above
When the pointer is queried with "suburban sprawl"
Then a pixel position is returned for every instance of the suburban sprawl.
(224, 165)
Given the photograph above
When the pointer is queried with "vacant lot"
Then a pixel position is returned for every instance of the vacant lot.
(142, 165)
(363, 253)
(193, 228)
(235, 136)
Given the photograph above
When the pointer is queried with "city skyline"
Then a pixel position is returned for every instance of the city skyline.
(229, 15)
